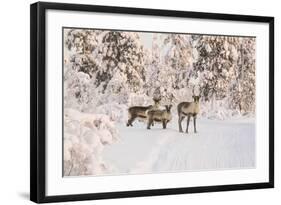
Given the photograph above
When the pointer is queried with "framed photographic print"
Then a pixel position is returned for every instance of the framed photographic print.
(129, 102)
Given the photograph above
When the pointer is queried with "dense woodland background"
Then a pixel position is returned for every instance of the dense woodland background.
(110, 64)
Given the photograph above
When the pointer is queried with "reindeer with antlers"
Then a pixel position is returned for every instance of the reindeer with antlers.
(189, 109)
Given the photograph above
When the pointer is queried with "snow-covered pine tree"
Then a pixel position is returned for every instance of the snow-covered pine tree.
(82, 41)
(82, 46)
(242, 90)
(122, 53)
(216, 63)
(153, 69)
(151, 61)
(78, 88)
(80, 64)
(178, 59)
(159, 77)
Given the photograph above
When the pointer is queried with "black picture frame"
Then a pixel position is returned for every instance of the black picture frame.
(38, 101)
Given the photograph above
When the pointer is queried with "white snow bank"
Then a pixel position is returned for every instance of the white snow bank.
(218, 110)
(85, 136)
(115, 111)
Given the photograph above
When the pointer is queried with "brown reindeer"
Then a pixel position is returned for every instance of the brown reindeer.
(163, 116)
(188, 109)
(137, 112)
(141, 111)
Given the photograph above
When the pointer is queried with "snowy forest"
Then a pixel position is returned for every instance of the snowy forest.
(106, 72)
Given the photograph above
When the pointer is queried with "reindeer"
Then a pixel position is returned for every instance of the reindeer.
(141, 111)
(188, 109)
(163, 116)
(137, 112)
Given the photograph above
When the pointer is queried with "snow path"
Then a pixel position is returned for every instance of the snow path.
(217, 145)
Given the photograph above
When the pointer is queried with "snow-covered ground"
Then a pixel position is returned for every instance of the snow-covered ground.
(227, 144)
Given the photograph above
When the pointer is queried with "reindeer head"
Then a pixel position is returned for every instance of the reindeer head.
(157, 100)
(168, 108)
(195, 96)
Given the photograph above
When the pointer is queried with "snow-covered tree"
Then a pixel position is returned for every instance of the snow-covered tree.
(171, 63)
(122, 54)
(227, 68)
(80, 64)
(217, 61)
(178, 59)
(154, 67)
(81, 41)
(242, 90)
(82, 47)
(77, 89)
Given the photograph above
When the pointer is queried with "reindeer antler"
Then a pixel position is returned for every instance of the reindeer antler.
(198, 90)
(193, 90)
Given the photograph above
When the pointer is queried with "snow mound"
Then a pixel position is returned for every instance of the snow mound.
(115, 111)
(85, 136)
(217, 110)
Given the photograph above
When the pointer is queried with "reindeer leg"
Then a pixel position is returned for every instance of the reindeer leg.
(128, 123)
(131, 120)
(149, 123)
(164, 124)
(179, 121)
(187, 124)
(194, 121)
